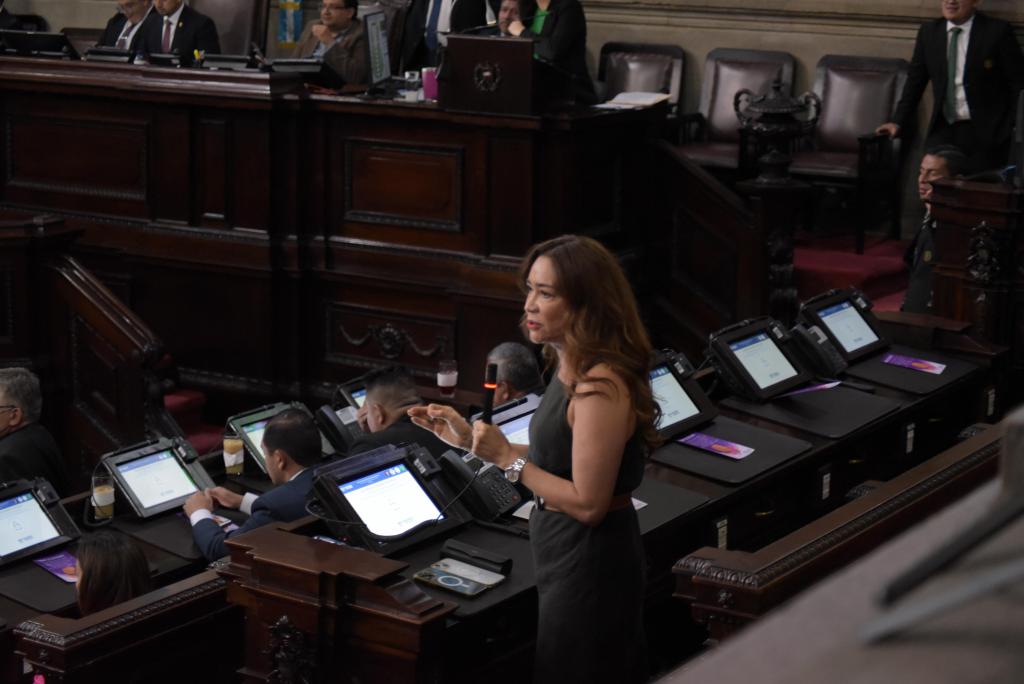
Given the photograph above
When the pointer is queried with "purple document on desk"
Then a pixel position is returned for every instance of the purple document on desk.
(61, 565)
(914, 364)
(715, 445)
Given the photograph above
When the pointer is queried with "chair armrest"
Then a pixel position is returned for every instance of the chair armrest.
(692, 128)
(875, 153)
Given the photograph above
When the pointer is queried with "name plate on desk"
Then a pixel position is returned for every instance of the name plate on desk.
(497, 76)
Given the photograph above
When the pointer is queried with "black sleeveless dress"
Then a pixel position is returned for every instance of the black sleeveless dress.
(590, 580)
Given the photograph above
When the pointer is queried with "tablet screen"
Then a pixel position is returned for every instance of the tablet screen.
(254, 432)
(517, 430)
(763, 359)
(847, 326)
(359, 396)
(676, 405)
(23, 524)
(390, 501)
(156, 478)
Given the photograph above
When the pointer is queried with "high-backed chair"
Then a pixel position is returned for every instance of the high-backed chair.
(240, 23)
(710, 137)
(857, 95)
(643, 67)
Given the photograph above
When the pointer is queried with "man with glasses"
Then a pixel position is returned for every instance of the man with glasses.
(338, 39)
(26, 448)
(122, 30)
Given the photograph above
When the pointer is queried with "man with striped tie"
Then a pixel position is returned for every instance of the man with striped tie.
(176, 28)
(976, 68)
(122, 30)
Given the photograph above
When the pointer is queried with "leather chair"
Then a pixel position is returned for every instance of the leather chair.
(643, 67)
(240, 23)
(857, 95)
(710, 137)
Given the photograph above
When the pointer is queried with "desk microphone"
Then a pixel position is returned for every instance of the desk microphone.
(490, 384)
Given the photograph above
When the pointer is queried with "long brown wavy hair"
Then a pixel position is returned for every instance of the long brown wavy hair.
(603, 323)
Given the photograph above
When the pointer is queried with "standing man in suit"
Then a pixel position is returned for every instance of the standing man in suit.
(177, 28)
(339, 39)
(428, 23)
(122, 30)
(292, 445)
(976, 68)
(390, 393)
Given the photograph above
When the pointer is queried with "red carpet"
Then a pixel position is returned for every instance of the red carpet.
(822, 264)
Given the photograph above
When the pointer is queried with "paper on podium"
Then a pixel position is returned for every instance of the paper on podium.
(633, 100)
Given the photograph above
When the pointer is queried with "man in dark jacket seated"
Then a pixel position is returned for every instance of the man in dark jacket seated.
(174, 27)
(27, 450)
(390, 393)
(123, 29)
(292, 447)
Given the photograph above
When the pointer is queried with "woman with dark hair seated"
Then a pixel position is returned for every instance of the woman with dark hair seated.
(111, 569)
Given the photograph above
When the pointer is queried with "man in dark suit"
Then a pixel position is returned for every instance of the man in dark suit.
(7, 20)
(428, 22)
(122, 30)
(27, 449)
(390, 393)
(177, 28)
(976, 68)
(292, 447)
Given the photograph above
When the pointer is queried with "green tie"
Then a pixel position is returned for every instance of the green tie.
(949, 105)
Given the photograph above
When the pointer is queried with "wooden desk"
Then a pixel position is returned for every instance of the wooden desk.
(61, 635)
(311, 236)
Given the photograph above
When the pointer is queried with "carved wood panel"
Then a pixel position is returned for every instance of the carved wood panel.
(367, 337)
(406, 185)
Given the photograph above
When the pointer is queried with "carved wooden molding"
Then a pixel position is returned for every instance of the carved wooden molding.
(984, 255)
(708, 569)
(39, 633)
(475, 260)
(292, 652)
(391, 341)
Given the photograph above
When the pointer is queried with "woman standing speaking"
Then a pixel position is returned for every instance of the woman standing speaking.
(588, 442)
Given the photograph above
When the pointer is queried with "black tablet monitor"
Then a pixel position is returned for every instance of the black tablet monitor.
(228, 62)
(845, 317)
(354, 392)
(102, 53)
(251, 425)
(164, 59)
(377, 55)
(155, 477)
(513, 417)
(38, 44)
(382, 501)
(754, 359)
(27, 527)
(684, 405)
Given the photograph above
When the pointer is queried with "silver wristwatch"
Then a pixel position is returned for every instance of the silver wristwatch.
(513, 471)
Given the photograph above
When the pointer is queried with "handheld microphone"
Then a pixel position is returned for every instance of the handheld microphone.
(490, 384)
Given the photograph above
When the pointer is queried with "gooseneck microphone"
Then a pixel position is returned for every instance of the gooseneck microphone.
(490, 384)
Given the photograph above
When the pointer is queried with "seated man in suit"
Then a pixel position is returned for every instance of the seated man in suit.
(390, 392)
(292, 447)
(976, 69)
(339, 39)
(177, 28)
(27, 449)
(122, 30)
(940, 162)
(518, 373)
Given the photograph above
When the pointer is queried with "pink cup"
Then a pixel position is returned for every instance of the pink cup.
(429, 76)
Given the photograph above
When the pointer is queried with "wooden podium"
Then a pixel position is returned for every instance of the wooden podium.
(977, 275)
(495, 75)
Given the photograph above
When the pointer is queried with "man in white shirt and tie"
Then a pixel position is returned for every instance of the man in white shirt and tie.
(976, 69)
(175, 28)
(122, 30)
